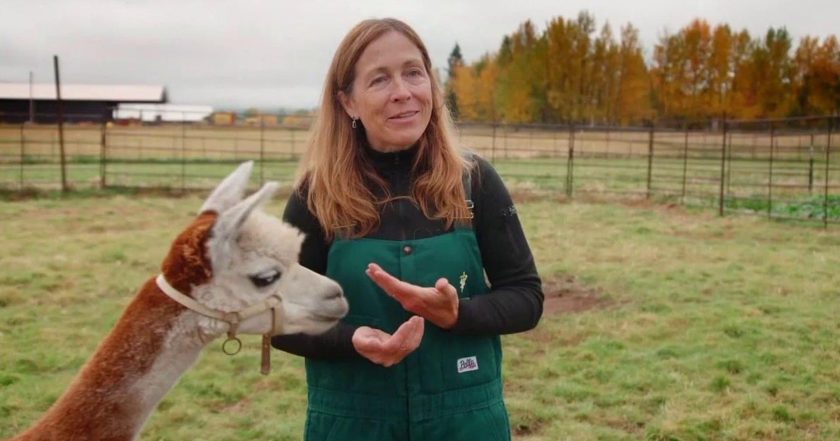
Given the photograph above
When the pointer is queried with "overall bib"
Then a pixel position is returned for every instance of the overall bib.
(449, 389)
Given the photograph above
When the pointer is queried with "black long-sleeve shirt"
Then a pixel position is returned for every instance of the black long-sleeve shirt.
(515, 300)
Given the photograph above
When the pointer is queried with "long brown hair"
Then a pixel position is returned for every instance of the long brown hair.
(339, 180)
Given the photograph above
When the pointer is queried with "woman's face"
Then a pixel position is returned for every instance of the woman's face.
(391, 94)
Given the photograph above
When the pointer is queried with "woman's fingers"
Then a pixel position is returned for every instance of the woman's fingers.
(388, 350)
(438, 304)
(393, 286)
(410, 334)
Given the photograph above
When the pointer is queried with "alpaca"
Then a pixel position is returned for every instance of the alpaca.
(233, 270)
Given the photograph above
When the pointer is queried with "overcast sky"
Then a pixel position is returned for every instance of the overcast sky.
(272, 54)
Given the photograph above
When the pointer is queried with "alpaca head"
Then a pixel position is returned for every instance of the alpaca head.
(234, 256)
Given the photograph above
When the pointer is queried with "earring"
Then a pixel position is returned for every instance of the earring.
(354, 122)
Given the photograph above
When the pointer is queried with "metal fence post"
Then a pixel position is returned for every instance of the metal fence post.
(293, 147)
(721, 196)
(770, 172)
(685, 162)
(570, 163)
(729, 164)
(103, 155)
(493, 145)
(183, 154)
(262, 150)
(827, 169)
(650, 161)
(22, 153)
(811, 166)
(504, 143)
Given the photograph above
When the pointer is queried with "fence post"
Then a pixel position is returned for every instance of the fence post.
(103, 155)
(721, 196)
(60, 108)
(183, 154)
(827, 169)
(685, 161)
(729, 164)
(811, 166)
(262, 150)
(292, 148)
(650, 161)
(504, 143)
(493, 145)
(570, 162)
(22, 153)
(770, 173)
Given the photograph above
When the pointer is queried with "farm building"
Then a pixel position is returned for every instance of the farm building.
(162, 113)
(223, 118)
(262, 120)
(20, 102)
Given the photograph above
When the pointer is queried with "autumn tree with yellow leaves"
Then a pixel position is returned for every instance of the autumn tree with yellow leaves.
(575, 72)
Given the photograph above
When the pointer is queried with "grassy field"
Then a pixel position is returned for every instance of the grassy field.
(660, 324)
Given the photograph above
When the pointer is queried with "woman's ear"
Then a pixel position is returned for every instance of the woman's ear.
(347, 103)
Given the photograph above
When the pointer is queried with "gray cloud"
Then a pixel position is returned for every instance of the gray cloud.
(275, 53)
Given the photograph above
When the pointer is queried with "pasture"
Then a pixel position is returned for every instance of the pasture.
(661, 323)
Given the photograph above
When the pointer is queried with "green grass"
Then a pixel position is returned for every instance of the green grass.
(814, 207)
(708, 328)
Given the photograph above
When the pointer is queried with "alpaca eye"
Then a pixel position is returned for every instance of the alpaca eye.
(262, 280)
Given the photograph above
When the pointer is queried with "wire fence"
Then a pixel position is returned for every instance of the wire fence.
(784, 168)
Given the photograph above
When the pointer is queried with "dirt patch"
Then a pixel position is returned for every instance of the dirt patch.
(566, 294)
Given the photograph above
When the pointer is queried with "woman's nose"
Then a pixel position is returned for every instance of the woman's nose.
(401, 91)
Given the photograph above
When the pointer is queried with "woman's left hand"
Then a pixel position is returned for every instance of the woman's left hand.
(438, 304)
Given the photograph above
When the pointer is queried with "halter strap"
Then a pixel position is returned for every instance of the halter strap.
(233, 319)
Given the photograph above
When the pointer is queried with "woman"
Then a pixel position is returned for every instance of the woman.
(408, 225)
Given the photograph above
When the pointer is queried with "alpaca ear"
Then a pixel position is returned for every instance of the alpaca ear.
(226, 228)
(230, 191)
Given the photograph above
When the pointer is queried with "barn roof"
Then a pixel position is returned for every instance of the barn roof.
(85, 92)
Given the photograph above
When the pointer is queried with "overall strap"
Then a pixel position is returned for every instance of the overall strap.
(466, 181)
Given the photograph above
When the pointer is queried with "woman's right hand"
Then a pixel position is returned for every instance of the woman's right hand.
(385, 349)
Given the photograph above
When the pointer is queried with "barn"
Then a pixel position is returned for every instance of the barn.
(21, 102)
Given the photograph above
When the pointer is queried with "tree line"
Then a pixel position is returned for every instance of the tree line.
(569, 73)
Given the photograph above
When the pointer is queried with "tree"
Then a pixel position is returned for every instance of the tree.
(633, 103)
(568, 73)
(454, 62)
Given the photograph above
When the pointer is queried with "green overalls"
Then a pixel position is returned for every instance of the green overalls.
(449, 389)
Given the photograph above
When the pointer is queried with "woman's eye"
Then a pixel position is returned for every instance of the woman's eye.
(377, 80)
(264, 279)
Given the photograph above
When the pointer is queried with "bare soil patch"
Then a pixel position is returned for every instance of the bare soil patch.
(566, 294)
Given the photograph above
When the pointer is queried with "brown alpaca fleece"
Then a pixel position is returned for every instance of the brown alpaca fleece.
(187, 264)
(101, 403)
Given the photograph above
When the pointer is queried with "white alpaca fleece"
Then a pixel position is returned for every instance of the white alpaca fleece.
(264, 244)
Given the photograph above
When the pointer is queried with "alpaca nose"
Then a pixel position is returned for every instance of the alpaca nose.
(335, 294)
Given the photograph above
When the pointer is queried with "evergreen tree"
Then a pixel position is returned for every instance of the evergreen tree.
(454, 62)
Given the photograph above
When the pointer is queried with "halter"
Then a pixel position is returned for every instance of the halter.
(233, 319)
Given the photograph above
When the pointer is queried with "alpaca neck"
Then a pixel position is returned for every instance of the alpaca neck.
(151, 346)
